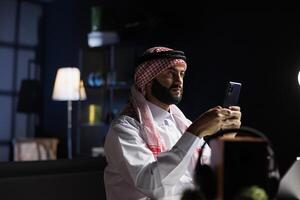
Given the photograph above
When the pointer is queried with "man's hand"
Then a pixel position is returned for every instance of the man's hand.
(234, 119)
(215, 119)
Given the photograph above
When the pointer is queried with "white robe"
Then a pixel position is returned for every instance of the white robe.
(133, 173)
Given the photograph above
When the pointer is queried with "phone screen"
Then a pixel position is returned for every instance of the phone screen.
(232, 94)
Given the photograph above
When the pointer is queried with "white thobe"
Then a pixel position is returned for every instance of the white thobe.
(133, 173)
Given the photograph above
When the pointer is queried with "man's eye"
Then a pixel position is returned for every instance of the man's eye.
(169, 74)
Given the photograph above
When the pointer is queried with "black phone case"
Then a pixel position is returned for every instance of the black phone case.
(232, 94)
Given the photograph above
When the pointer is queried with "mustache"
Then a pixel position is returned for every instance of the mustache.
(175, 86)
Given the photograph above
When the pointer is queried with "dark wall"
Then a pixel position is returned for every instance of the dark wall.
(257, 45)
(260, 50)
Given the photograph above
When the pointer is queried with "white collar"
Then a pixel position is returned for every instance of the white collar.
(159, 114)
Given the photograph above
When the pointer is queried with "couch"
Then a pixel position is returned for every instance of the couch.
(77, 179)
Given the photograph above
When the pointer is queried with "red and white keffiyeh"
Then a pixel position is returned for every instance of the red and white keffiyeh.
(148, 70)
(145, 72)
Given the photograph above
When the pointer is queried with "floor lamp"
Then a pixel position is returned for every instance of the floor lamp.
(68, 87)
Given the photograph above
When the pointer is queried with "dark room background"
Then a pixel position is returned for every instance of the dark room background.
(255, 44)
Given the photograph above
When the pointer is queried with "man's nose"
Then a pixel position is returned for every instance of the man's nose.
(178, 79)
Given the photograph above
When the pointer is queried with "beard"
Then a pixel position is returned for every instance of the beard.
(164, 94)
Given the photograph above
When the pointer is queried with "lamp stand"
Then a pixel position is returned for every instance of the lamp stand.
(69, 134)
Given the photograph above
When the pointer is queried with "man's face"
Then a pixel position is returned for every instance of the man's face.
(167, 87)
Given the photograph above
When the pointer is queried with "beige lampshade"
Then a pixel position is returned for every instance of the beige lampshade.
(67, 86)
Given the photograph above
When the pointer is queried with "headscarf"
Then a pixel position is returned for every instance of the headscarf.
(154, 63)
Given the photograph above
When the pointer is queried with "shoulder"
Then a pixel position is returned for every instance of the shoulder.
(124, 128)
(179, 114)
(124, 122)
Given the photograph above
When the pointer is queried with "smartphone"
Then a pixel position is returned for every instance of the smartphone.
(232, 94)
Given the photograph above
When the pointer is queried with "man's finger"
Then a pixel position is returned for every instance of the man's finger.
(235, 108)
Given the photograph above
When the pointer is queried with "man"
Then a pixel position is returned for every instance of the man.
(152, 148)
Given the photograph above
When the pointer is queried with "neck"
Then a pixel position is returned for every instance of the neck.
(158, 103)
